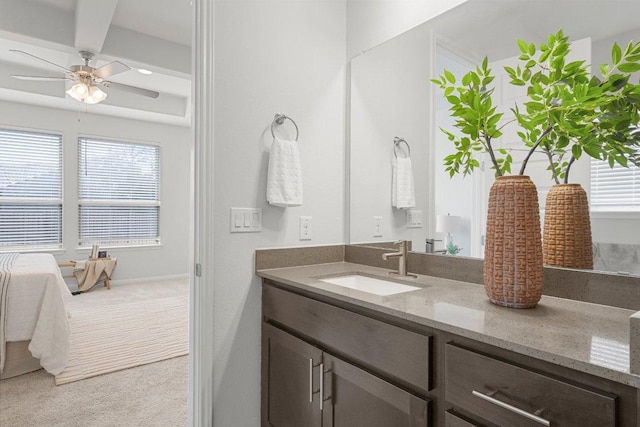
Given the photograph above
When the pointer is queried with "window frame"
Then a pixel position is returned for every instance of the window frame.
(114, 202)
(49, 248)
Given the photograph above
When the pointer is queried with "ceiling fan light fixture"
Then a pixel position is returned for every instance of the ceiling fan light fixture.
(88, 94)
(96, 95)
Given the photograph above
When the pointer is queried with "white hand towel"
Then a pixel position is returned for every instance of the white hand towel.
(80, 265)
(402, 188)
(284, 178)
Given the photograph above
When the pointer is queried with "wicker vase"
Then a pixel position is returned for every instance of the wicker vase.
(567, 228)
(513, 250)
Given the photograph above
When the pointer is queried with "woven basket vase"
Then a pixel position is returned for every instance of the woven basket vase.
(567, 228)
(513, 251)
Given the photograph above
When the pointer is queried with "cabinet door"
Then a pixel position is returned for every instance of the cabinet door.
(355, 398)
(290, 380)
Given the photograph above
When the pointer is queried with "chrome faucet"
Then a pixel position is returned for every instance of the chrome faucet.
(431, 246)
(403, 246)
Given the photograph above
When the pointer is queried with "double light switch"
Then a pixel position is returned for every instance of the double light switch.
(246, 220)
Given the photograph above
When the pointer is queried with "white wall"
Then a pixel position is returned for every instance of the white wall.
(390, 92)
(371, 22)
(176, 143)
(270, 57)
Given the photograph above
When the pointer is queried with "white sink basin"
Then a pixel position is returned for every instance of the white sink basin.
(370, 284)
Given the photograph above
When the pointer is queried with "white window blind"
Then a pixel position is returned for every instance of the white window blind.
(119, 185)
(614, 189)
(30, 190)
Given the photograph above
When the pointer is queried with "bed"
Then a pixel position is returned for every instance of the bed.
(36, 329)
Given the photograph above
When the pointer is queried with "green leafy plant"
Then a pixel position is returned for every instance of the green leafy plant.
(568, 111)
(453, 249)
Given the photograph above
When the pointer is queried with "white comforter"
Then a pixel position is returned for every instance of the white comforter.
(36, 310)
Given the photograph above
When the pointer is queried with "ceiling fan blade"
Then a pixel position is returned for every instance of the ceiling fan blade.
(110, 69)
(39, 79)
(132, 89)
(59, 67)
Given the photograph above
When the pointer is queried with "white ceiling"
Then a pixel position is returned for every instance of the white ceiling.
(490, 27)
(152, 35)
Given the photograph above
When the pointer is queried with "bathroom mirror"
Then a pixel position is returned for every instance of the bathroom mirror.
(392, 96)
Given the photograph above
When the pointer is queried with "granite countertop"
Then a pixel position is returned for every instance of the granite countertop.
(587, 337)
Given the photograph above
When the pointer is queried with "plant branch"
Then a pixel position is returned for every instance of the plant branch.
(566, 174)
(553, 170)
(534, 148)
(493, 156)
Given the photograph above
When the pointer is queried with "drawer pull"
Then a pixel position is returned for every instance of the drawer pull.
(321, 386)
(512, 408)
(310, 380)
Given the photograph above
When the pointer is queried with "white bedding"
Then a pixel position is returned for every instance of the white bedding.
(36, 310)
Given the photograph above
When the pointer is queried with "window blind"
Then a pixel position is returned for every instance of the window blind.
(614, 189)
(30, 190)
(119, 193)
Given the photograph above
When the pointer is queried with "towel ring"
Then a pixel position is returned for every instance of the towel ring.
(279, 120)
(396, 143)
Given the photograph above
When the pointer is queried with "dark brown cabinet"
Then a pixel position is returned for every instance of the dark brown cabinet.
(506, 394)
(290, 378)
(327, 363)
(358, 399)
(295, 395)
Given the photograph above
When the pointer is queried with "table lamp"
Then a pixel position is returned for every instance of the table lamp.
(448, 224)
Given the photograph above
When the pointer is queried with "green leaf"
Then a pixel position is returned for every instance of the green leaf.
(485, 63)
(576, 151)
(449, 75)
(616, 54)
(453, 100)
(629, 67)
(605, 69)
(523, 46)
(466, 80)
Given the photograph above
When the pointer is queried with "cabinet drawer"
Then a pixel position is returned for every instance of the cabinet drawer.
(452, 420)
(402, 355)
(506, 394)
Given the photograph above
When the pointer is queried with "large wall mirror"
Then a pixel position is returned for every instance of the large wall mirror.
(392, 97)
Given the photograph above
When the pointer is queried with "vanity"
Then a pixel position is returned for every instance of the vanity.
(431, 351)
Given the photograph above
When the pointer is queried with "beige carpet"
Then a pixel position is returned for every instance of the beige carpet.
(112, 337)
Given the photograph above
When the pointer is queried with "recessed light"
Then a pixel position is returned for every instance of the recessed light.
(145, 72)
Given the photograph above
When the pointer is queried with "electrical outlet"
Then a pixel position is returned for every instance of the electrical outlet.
(305, 228)
(377, 226)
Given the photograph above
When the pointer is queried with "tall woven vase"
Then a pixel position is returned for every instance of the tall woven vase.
(567, 228)
(513, 251)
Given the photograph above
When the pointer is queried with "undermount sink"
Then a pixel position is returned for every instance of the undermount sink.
(372, 285)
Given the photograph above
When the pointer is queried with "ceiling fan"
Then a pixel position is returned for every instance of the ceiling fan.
(87, 80)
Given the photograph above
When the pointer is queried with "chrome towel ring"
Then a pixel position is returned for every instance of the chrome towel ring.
(279, 120)
(396, 144)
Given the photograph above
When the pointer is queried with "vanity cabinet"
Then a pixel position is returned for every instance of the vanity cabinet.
(305, 383)
(327, 362)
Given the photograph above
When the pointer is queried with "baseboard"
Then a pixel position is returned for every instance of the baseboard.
(73, 286)
(149, 279)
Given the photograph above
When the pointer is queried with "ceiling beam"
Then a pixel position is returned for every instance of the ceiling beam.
(25, 21)
(93, 19)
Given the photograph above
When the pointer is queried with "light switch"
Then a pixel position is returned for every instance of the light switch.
(245, 220)
(414, 218)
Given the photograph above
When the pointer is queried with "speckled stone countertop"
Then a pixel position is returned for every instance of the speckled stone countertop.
(586, 337)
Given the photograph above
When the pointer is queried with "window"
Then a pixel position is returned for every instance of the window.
(30, 190)
(614, 189)
(119, 186)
